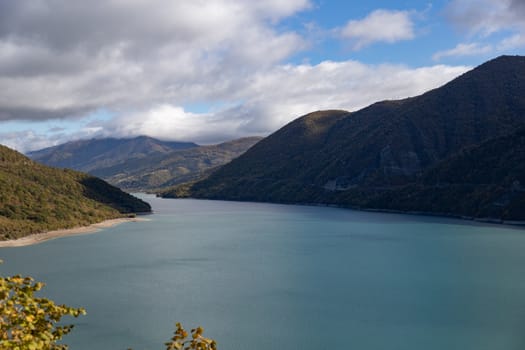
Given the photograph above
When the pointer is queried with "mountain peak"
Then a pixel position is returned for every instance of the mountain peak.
(347, 158)
(505, 59)
(501, 69)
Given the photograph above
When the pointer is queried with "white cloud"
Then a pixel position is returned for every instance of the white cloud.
(471, 49)
(269, 100)
(483, 19)
(512, 42)
(170, 122)
(379, 26)
(27, 140)
(145, 60)
(62, 58)
(279, 95)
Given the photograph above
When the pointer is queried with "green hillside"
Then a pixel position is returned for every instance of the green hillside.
(354, 159)
(36, 198)
(485, 181)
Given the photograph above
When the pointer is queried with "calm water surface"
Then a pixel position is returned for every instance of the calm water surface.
(263, 276)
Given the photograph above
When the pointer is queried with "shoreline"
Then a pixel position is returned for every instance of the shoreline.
(520, 224)
(37, 238)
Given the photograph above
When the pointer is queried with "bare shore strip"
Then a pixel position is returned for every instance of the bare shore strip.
(45, 236)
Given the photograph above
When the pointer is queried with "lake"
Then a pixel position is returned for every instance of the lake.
(265, 276)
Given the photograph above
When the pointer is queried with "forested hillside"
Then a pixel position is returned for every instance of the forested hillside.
(375, 157)
(37, 198)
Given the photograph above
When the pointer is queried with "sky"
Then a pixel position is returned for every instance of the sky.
(208, 71)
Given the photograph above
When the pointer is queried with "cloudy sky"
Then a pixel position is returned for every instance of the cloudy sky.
(211, 70)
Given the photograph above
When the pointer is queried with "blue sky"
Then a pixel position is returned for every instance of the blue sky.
(208, 71)
(335, 14)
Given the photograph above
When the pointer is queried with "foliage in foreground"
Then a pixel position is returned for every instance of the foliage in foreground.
(28, 322)
(31, 323)
(182, 341)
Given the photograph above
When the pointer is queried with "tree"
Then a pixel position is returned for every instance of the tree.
(182, 341)
(28, 322)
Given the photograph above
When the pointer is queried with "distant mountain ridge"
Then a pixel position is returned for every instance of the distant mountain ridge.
(361, 159)
(142, 163)
(37, 198)
(178, 166)
(86, 155)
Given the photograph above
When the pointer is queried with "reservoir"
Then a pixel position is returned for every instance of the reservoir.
(264, 276)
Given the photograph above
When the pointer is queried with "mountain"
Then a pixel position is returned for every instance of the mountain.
(142, 163)
(338, 157)
(484, 181)
(87, 155)
(175, 167)
(36, 198)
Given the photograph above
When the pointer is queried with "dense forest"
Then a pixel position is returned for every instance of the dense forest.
(36, 198)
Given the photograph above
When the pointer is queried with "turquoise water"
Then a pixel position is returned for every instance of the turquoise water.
(264, 276)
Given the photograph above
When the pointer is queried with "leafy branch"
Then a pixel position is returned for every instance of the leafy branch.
(28, 322)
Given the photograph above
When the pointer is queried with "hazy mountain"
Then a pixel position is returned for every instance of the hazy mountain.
(345, 158)
(37, 198)
(175, 167)
(87, 155)
(142, 163)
